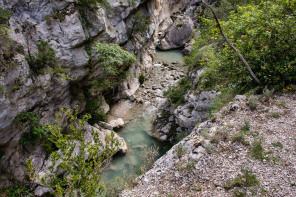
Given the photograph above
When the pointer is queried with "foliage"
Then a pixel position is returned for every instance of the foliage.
(257, 150)
(142, 79)
(93, 108)
(246, 179)
(265, 35)
(140, 23)
(180, 135)
(175, 94)
(180, 150)
(278, 144)
(253, 101)
(45, 61)
(224, 98)
(240, 138)
(35, 131)
(18, 190)
(113, 59)
(220, 135)
(44, 58)
(8, 47)
(81, 167)
(148, 156)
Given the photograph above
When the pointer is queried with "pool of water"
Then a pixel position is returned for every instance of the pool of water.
(169, 56)
(135, 133)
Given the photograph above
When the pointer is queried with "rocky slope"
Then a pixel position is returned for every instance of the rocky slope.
(240, 151)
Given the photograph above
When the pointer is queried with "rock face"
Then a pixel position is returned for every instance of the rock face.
(178, 34)
(71, 33)
(171, 121)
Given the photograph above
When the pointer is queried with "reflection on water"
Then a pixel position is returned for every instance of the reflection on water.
(169, 56)
(135, 135)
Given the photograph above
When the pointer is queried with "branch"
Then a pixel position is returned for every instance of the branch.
(231, 46)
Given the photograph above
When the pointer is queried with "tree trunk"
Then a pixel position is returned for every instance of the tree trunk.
(231, 46)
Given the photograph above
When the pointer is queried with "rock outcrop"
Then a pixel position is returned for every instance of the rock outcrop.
(177, 34)
(221, 158)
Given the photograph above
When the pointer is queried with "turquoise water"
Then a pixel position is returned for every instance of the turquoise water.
(135, 135)
(169, 56)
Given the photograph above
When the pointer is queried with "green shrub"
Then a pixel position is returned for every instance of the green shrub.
(253, 102)
(220, 135)
(82, 173)
(142, 79)
(246, 126)
(140, 23)
(240, 138)
(257, 150)
(180, 135)
(246, 179)
(265, 35)
(93, 108)
(35, 131)
(43, 59)
(113, 59)
(18, 190)
(176, 94)
(224, 98)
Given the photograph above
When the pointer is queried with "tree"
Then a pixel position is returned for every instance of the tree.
(266, 35)
(230, 45)
(76, 165)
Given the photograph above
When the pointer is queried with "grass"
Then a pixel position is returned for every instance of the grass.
(246, 126)
(246, 179)
(180, 150)
(275, 114)
(240, 138)
(257, 150)
(278, 144)
(253, 102)
(220, 135)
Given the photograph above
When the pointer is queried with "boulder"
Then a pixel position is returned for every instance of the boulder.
(177, 35)
(117, 123)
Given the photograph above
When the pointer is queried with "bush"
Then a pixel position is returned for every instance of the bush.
(140, 23)
(113, 59)
(253, 102)
(257, 150)
(142, 79)
(97, 113)
(246, 179)
(36, 130)
(80, 169)
(175, 94)
(43, 59)
(265, 35)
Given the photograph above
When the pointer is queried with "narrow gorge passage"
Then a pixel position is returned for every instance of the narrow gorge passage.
(167, 70)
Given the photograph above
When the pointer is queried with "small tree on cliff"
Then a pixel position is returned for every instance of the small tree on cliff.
(76, 165)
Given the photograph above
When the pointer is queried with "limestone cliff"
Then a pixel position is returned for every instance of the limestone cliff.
(71, 32)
